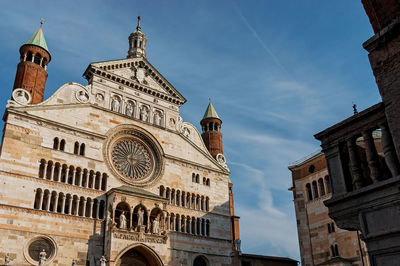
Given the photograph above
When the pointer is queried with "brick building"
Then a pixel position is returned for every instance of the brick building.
(109, 173)
(321, 241)
(365, 182)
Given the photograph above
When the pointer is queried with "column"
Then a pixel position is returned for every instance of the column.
(33, 57)
(195, 226)
(203, 225)
(184, 224)
(87, 179)
(169, 193)
(73, 176)
(168, 221)
(55, 203)
(77, 207)
(131, 219)
(63, 204)
(91, 209)
(203, 205)
(100, 182)
(52, 172)
(97, 209)
(70, 205)
(355, 168)
(80, 178)
(179, 224)
(190, 225)
(59, 173)
(66, 175)
(48, 202)
(44, 170)
(148, 219)
(190, 201)
(41, 200)
(175, 198)
(195, 202)
(325, 186)
(174, 223)
(84, 208)
(388, 149)
(372, 156)
(312, 190)
(164, 195)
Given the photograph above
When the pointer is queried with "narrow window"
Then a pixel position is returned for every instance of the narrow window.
(332, 227)
(55, 143)
(76, 148)
(62, 145)
(309, 193)
(82, 149)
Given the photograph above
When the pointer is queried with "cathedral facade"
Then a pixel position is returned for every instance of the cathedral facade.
(109, 173)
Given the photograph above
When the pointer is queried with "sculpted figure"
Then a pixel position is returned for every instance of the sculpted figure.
(7, 259)
(122, 221)
(73, 262)
(129, 109)
(140, 217)
(144, 114)
(42, 257)
(115, 104)
(103, 261)
(156, 225)
(21, 97)
(157, 118)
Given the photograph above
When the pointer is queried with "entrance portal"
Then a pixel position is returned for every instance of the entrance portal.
(139, 255)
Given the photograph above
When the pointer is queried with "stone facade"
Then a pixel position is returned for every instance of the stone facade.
(110, 172)
(321, 241)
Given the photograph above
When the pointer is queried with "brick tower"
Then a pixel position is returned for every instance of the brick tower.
(31, 70)
(211, 130)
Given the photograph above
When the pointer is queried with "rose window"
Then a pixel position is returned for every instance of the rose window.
(131, 159)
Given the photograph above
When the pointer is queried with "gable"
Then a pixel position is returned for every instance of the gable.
(138, 74)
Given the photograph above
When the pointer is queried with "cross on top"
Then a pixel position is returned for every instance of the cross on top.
(41, 21)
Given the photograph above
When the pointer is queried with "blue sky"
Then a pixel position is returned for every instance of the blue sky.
(277, 71)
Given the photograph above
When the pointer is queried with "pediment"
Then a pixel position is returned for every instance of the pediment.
(138, 74)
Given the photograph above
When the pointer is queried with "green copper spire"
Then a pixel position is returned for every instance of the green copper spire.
(210, 112)
(38, 38)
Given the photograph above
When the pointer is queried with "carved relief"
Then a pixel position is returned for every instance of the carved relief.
(82, 96)
(21, 96)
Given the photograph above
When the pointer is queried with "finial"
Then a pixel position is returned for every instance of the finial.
(209, 99)
(41, 21)
(138, 24)
(355, 109)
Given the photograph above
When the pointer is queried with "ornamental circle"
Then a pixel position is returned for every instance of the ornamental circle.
(40, 246)
(133, 155)
(131, 158)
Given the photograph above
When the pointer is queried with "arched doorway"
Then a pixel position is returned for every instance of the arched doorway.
(200, 261)
(138, 255)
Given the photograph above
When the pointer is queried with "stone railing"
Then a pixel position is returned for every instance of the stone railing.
(359, 151)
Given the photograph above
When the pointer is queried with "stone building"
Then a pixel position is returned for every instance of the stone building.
(109, 173)
(365, 183)
(321, 241)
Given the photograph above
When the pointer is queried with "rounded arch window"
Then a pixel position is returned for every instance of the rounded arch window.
(200, 261)
(37, 245)
(311, 169)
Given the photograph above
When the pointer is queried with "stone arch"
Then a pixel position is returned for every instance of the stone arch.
(308, 192)
(61, 199)
(82, 149)
(315, 189)
(321, 187)
(156, 213)
(138, 254)
(162, 191)
(62, 145)
(200, 261)
(123, 207)
(76, 147)
(42, 168)
(57, 172)
(38, 199)
(104, 182)
(97, 181)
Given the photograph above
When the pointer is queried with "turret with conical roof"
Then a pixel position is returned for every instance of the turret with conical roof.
(137, 42)
(32, 69)
(211, 130)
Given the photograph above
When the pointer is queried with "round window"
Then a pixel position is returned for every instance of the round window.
(41, 247)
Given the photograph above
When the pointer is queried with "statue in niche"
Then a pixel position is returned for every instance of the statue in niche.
(156, 225)
(186, 132)
(144, 114)
(42, 257)
(140, 217)
(7, 259)
(129, 109)
(115, 104)
(157, 118)
(83, 96)
(122, 221)
(103, 261)
(22, 96)
(73, 262)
